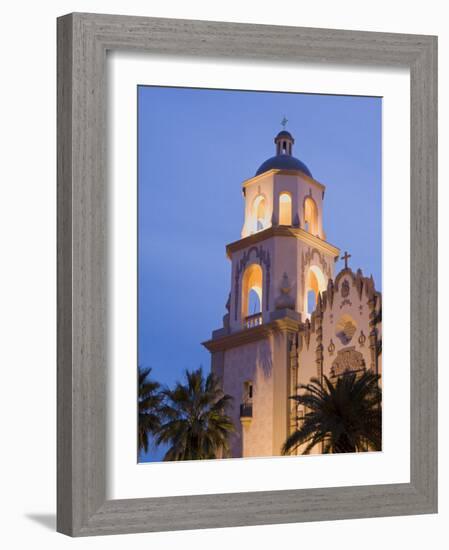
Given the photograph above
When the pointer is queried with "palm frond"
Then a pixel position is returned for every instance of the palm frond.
(342, 416)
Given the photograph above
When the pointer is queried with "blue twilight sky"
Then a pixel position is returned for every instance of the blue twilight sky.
(195, 148)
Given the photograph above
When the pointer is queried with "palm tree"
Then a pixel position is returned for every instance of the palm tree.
(195, 423)
(149, 401)
(344, 417)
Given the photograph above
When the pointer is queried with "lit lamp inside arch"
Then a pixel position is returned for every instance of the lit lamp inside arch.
(315, 283)
(310, 216)
(259, 213)
(252, 290)
(285, 208)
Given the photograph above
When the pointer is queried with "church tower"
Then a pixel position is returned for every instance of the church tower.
(280, 266)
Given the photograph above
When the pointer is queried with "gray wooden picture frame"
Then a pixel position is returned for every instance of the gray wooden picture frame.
(83, 40)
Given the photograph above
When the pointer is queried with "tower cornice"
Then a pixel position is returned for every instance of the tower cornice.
(254, 334)
(282, 231)
(276, 171)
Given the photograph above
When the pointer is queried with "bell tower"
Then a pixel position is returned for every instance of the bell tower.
(280, 265)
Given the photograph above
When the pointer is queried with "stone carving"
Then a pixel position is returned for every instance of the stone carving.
(362, 339)
(284, 300)
(307, 330)
(318, 319)
(345, 329)
(348, 361)
(308, 257)
(330, 292)
(345, 288)
(359, 282)
(331, 347)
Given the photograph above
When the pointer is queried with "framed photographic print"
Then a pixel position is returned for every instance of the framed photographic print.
(246, 274)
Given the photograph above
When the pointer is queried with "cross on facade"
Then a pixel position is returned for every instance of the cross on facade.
(284, 122)
(346, 257)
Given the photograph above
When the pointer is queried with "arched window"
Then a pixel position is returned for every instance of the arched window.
(259, 212)
(311, 301)
(252, 290)
(315, 283)
(247, 391)
(285, 209)
(310, 216)
(254, 303)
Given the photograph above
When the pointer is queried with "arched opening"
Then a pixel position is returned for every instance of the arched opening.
(252, 291)
(247, 391)
(285, 209)
(310, 216)
(311, 301)
(254, 303)
(259, 212)
(315, 283)
(246, 407)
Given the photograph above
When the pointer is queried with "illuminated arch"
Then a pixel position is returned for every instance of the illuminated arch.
(259, 212)
(315, 283)
(251, 282)
(310, 216)
(285, 208)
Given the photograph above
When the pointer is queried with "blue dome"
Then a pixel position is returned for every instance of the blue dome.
(283, 162)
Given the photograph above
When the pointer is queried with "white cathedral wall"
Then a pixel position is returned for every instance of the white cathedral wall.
(251, 362)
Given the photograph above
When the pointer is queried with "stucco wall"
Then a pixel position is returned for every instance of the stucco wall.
(252, 361)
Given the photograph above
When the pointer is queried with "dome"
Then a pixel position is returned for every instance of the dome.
(284, 134)
(283, 162)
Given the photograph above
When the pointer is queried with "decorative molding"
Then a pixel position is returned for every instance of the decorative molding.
(362, 339)
(275, 172)
(254, 334)
(283, 231)
(348, 360)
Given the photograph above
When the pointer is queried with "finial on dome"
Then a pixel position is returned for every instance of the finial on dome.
(284, 122)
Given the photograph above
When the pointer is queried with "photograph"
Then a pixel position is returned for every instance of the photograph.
(259, 274)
